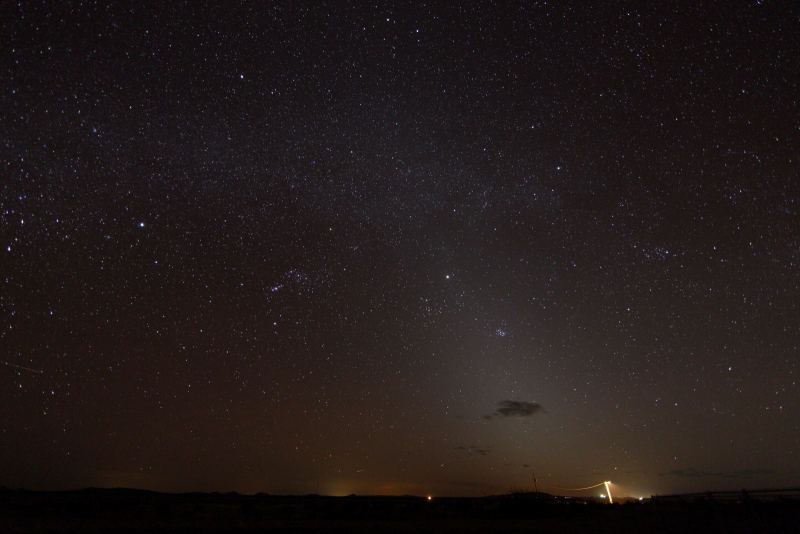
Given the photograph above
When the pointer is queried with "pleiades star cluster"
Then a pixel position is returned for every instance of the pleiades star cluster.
(428, 248)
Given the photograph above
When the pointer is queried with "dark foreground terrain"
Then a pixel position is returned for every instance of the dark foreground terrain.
(122, 510)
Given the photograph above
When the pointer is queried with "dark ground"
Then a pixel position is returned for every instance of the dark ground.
(141, 511)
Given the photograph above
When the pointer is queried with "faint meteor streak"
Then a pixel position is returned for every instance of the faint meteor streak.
(21, 367)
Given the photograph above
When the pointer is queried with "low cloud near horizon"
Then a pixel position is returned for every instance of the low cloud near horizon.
(509, 408)
(474, 449)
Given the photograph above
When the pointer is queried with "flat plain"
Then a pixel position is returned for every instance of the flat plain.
(128, 511)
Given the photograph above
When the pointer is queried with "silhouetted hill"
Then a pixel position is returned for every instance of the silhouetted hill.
(119, 492)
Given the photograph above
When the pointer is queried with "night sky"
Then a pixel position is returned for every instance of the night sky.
(404, 248)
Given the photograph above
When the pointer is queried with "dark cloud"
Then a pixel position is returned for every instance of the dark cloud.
(482, 451)
(694, 473)
(509, 408)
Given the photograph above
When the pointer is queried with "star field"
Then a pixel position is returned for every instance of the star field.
(386, 249)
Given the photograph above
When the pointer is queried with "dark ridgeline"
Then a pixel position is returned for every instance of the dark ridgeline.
(129, 510)
(740, 496)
